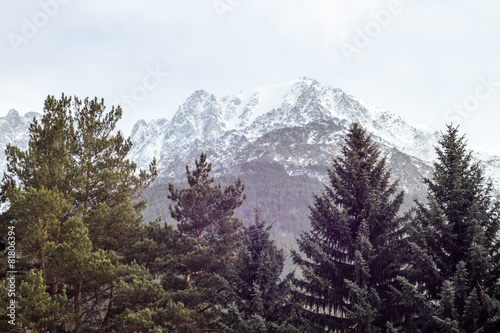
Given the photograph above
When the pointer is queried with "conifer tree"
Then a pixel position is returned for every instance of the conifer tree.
(255, 298)
(206, 235)
(111, 190)
(185, 258)
(39, 209)
(205, 219)
(72, 199)
(453, 256)
(348, 258)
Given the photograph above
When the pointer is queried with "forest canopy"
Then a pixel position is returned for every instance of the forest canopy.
(79, 256)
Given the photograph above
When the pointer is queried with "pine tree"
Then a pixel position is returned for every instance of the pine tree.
(156, 248)
(111, 190)
(187, 258)
(170, 308)
(205, 219)
(255, 298)
(144, 306)
(453, 241)
(349, 256)
(39, 208)
(72, 199)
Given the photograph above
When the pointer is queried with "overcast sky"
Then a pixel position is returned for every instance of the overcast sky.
(431, 62)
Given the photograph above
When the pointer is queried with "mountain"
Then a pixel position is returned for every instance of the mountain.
(290, 130)
(297, 124)
(279, 139)
(14, 130)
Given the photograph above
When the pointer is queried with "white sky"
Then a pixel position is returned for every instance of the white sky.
(424, 57)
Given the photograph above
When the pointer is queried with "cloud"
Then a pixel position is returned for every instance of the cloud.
(428, 57)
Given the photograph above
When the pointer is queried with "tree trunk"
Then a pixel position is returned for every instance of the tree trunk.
(78, 306)
(104, 323)
(54, 289)
(187, 279)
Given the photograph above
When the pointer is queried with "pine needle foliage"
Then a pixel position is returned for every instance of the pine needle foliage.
(74, 202)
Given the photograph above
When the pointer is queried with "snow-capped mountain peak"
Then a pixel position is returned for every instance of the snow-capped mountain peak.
(238, 127)
(298, 124)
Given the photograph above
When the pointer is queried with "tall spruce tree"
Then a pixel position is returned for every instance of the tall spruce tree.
(73, 204)
(452, 281)
(255, 297)
(348, 259)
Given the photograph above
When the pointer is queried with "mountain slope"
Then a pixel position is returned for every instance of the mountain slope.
(293, 129)
(234, 123)
(13, 130)
(279, 138)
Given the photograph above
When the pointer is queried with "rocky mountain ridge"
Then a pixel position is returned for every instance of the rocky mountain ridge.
(298, 124)
(290, 130)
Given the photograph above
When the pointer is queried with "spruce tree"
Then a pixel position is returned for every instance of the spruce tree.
(451, 283)
(255, 298)
(348, 258)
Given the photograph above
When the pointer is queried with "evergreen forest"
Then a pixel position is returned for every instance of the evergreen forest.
(79, 255)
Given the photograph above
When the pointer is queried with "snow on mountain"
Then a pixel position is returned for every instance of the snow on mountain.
(490, 164)
(14, 130)
(245, 117)
(298, 124)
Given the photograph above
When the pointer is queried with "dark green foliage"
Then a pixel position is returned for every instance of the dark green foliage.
(349, 256)
(254, 297)
(454, 257)
(203, 210)
(206, 226)
(73, 202)
(155, 250)
(186, 259)
(145, 306)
